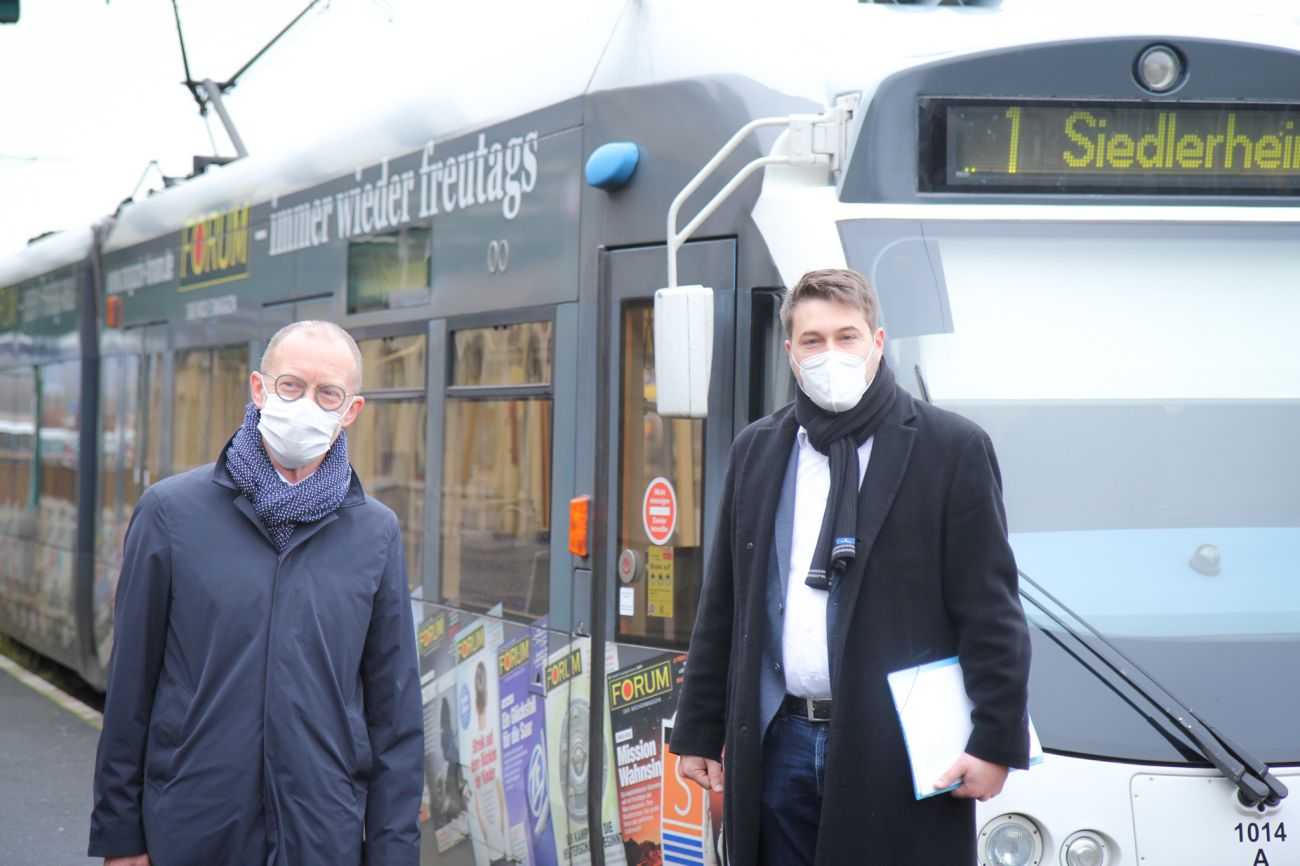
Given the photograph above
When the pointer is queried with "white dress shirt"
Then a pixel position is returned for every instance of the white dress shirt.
(803, 635)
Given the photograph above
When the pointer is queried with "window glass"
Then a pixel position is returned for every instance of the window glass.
(496, 498)
(393, 362)
(660, 515)
(211, 391)
(386, 447)
(58, 445)
(17, 442)
(192, 373)
(389, 271)
(151, 419)
(119, 486)
(771, 383)
(59, 441)
(230, 395)
(503, 355)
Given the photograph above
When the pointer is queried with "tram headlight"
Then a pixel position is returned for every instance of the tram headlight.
(1084, 848)
(1159, 68)
(1011, 840)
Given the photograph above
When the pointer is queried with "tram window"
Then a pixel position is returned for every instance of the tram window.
(17, 442)
(503, 355)
(151, 421)
(112, 449)
(771, 384)
(496, 496)
(120, 438)
(230, 396)
(394, 362)
(192, 373)
(386, 447)
(210, 393)
(59, 445)
(665, 589)
(390, 270)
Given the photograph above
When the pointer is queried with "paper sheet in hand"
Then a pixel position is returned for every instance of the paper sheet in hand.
(934, 711)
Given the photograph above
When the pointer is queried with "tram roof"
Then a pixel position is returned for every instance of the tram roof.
(830, 47)
(46, 255)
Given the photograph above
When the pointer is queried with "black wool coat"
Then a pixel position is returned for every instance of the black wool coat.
(933, 577)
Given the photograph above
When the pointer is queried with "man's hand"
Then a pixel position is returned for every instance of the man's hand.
(138, 860)
(979, 779)
(704, 772)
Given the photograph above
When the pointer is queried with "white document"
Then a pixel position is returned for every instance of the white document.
(934, 711)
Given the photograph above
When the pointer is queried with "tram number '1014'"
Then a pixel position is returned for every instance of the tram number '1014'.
(1261, 832)
(498, 256)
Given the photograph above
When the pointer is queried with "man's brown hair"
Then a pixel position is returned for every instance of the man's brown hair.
(839, 285)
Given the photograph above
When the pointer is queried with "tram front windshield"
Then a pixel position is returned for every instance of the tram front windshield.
(1141, 385)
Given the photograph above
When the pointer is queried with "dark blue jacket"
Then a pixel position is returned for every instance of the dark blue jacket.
(261, 708)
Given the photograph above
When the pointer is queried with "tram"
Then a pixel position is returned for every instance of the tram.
(1084, 241)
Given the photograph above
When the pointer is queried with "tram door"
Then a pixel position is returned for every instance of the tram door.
(666, 473)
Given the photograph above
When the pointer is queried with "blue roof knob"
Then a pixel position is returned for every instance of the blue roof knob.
(611, 165)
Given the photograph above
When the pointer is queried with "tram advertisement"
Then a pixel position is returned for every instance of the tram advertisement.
(480, 739)
(641, 699)
(568, 717)
(520, 665)
(445, 783)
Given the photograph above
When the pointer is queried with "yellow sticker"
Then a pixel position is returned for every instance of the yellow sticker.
(659, 581)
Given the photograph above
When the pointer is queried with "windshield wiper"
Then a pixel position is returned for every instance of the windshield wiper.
(1255, 782)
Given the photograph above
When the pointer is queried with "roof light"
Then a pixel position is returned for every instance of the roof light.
(611, 165)
(1159, 68)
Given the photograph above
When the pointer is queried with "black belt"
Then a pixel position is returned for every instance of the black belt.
(812, 709)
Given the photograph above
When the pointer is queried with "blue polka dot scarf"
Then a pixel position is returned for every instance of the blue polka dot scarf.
(280, 506)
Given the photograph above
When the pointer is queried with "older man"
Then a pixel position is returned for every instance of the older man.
(263, 700)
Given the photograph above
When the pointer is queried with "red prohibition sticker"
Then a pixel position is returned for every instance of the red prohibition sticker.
(659, 510)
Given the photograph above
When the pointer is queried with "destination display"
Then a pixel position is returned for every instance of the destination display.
(1083, 146)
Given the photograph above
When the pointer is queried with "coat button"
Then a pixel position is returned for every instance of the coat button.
(780, 608)
(777, 667)
(744, 729)
(749, 545)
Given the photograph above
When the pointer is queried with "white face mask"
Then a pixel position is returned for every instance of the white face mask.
(835, 380)
(296, 433)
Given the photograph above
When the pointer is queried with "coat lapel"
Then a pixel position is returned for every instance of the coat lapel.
(890, 451)
(759, 486)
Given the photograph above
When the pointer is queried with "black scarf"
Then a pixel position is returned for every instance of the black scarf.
(280, 506)
(839, 437)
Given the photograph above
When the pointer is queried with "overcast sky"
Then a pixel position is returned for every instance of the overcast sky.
(91, 90)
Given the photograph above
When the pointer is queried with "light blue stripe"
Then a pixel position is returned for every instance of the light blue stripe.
(683, 840)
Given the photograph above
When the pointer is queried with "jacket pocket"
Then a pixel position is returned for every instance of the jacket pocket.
(170, 707)
(362, 760)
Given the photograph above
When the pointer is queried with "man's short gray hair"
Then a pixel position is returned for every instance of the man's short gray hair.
(315, 328)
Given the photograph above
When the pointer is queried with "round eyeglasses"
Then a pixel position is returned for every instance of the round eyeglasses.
(289, 388)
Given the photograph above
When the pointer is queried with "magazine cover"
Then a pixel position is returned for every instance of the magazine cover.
(684, 818)
(446, 791)
(641, 699)
(479, 715)
(568, 716)
(523, 749)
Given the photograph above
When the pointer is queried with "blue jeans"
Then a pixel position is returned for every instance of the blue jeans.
(794, 767)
